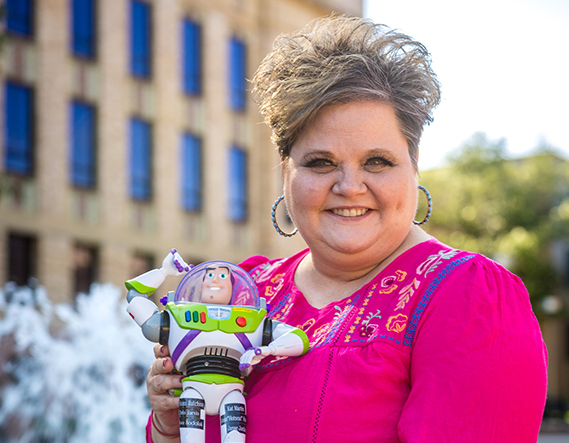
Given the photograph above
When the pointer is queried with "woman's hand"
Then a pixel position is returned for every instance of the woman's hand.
(159, 382)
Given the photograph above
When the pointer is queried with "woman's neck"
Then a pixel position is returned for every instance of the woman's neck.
(323, 279)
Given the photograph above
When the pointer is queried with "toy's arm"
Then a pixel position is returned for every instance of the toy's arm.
(147, 283)
(287, 341)
(141, 309)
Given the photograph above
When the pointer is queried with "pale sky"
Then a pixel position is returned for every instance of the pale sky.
(503, 66)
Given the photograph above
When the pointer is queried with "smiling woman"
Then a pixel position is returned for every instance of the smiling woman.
(411, 340)
(351, 186)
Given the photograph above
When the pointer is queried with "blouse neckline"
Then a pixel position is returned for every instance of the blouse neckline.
(301, 299)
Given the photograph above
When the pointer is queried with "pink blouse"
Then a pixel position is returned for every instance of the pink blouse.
(442, 346)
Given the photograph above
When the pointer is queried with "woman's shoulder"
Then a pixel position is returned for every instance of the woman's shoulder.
(450, 283)
(472, 282)
(459, 263)
(472, 268)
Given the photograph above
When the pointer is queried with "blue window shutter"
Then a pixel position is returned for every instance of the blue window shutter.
(237, 185)
(237, 84)
(83, 28)
(83, 154)
(140, 161)
(191, 173)
(19, 127)
(19, 16)
(191, 66)
(140, 39)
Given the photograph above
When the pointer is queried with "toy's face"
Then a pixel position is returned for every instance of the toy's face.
(240, 289)
(217, 287)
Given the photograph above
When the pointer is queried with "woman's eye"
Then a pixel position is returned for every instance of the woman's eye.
(320, 164)
(376, 164)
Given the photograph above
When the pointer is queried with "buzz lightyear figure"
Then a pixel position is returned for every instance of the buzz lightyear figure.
(217, 329)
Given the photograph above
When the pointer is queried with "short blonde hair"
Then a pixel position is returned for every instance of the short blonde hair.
(340, 59)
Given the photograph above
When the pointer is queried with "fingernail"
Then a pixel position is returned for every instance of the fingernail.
(164, 363)
(162, 350)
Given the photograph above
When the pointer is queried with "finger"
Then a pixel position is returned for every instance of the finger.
(160, 379)
(161, 366)
(161, 384)
(164, 403)
(161, 351)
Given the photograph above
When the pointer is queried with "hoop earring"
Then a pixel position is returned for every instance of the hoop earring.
(274, 219)
(429, 208)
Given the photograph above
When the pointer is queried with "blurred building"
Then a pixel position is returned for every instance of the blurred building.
(128, 129)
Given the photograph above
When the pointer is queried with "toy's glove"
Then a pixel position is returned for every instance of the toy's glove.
(174, 264)
(253, 356)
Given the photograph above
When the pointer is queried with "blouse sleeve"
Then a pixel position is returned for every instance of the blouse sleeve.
(478, 365)
(252, 262)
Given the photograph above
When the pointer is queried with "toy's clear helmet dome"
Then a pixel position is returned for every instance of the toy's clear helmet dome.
(243, 289)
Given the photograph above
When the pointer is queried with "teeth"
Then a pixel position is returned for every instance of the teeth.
(349, 212)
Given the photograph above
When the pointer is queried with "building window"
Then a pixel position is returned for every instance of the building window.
(237, 81)
(141, 263)
(19, 124)
(237, 184)
(19, 17)
(191, 57)
(83, 145)
(21, 258)
(191, 173)
(85, 267)
(140, 39)
(83, 28)
(140, 159)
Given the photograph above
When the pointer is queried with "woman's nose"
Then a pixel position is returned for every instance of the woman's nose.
(349, 184)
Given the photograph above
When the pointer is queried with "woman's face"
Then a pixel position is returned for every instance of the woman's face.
(349, 182)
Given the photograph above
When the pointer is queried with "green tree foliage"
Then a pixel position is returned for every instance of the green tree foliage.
(509, 210)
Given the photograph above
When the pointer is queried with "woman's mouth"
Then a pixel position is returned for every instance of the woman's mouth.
(354, 212)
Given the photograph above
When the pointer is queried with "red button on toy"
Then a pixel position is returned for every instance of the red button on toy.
(241, 321)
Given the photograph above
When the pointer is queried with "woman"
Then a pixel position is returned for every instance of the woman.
(411, 340)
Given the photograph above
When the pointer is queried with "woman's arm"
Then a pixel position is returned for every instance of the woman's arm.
(478, 364)
(163, 424)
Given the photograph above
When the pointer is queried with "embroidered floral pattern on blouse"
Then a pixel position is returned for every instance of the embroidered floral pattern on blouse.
(259, 270)
(406, 285)
(370, 324)
(418, 312)
(358, 319)
(397, 323)
(278, 282)
(327, 332)
(435, 260)
(281, 308)
(360, 316)
(406, 293)
(389, 283)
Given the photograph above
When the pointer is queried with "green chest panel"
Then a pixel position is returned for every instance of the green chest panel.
(207, 318)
